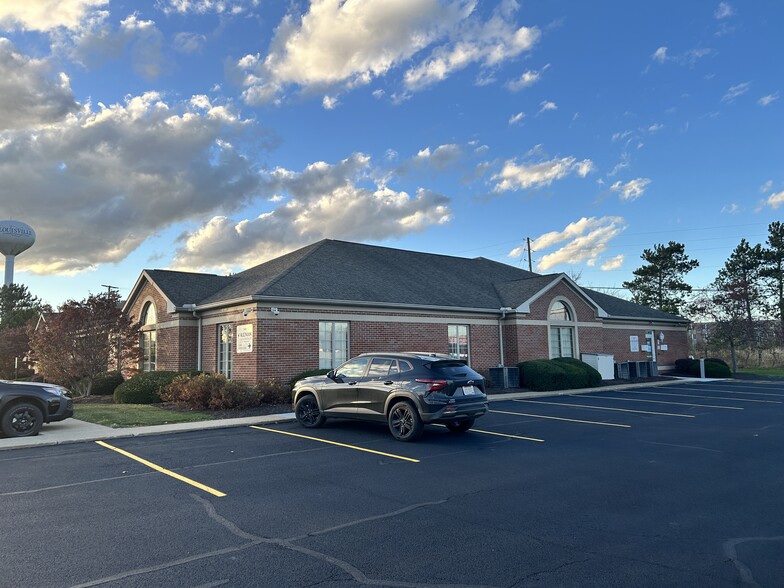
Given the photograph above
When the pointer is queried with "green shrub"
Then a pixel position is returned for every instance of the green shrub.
(105, 384)
(543, 374)
(143, 388)
(275, 392)
(210, 392)
(683, 365)
(307, 374)
(713, 369)
(593, 377)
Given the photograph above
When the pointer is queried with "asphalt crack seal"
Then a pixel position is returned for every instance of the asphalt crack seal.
(254, 540)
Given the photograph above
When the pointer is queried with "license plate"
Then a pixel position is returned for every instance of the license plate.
(470, 390)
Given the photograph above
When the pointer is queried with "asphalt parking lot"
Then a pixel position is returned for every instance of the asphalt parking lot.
(680, 485)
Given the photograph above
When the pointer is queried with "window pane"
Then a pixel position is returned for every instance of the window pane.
(380, 367)
(560, 312)
(333, 344)
(353, 369)
(567, 350)
(457, 336)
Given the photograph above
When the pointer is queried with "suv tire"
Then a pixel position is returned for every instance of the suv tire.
(404, 422)
(22, 419)
(307, 412)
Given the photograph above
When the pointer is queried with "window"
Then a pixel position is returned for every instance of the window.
(149, 337)
(458, 341)
(224, 349)
(333, 344)
(382, 367)
(353, 369)
(561, 336)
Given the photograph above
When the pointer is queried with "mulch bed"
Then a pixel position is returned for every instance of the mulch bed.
(264, 409)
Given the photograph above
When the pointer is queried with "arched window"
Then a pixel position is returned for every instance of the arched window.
(560, 312)
(561, 335)
(149, 337)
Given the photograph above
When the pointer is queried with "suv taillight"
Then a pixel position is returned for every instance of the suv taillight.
(433, 385)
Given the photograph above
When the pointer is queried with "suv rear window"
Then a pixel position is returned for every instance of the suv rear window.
(454, 369)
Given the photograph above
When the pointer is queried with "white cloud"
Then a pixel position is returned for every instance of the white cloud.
(767, 99)
(735, 91)
(189, 42)
(115, 175)
(325, 201)
(520, 176)
(660, 55)
(730, 209)
(547, 105)
(631, 190)
(329, 102)
(46, 15)
(342, 45)
(30, 94)
(612, 264)
(207, 6)
(526, 80)
(766, 187)
(587, 239)
(775, 200)
(441, 157)
(655, 128)
(516, 118)
(724, 10)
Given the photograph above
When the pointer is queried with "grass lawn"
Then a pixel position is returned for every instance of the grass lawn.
(132, 415)
(763, 371)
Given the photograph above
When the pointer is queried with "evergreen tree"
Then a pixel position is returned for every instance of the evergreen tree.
(773, 272)
(17, 306)
(740, 280)
(660, 284)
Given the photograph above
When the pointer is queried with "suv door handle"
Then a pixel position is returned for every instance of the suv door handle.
(388, 383)
(352, 383)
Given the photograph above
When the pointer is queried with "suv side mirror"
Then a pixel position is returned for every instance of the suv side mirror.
(331, 374)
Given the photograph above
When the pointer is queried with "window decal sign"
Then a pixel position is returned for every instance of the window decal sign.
(244, 338)
(634, 343)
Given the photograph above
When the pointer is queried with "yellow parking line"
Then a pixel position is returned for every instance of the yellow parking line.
(708, 397)
(541, 416)
(158, 468)
(666, 402)
(685, 416)
(501, 434)
(336, 443)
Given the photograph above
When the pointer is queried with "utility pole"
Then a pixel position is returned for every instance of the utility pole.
(110, 288)
(530, 266)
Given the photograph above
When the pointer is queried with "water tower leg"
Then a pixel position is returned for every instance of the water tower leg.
(9, 270)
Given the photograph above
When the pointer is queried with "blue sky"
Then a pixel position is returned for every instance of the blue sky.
(211, 136)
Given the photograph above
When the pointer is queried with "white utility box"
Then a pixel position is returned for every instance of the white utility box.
(602, 362)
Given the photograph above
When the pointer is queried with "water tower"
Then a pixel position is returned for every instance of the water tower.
(15, 237)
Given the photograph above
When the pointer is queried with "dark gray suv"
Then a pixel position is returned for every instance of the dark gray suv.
(405, 390)
(26, 406)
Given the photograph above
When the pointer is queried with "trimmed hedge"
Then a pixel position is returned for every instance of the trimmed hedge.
(562, 373)
(713, 369)
(106, 383)
(214, 392)
(143, 388)
(593, 377)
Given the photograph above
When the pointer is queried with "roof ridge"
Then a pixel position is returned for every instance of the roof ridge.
(316, 246)
(184, 272)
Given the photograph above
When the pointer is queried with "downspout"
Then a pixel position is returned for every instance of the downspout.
(503, 310)
(192, 308)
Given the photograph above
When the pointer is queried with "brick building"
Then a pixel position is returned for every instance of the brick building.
(327, 302)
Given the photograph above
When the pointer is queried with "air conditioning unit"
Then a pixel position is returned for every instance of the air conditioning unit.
(622, 371)
(505, 377)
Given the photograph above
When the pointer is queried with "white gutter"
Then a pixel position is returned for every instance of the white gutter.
(503, 310)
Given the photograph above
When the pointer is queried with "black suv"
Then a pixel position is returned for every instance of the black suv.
(405, 390)
(26, 406)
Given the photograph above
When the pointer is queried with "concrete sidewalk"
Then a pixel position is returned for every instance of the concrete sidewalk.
(75, 431)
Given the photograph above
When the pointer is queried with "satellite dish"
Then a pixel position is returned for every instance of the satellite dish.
(15, 237)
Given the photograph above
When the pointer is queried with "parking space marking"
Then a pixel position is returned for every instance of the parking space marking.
(708, 397)
(541, 416)
(666, 402)
(723, 391)
(685, 416)
(412, 460)
(501, 434)
(158, 468)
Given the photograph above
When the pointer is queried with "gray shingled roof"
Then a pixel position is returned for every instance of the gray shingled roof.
(355, 272)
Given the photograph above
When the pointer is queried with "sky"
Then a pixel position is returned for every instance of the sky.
(213, 135)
